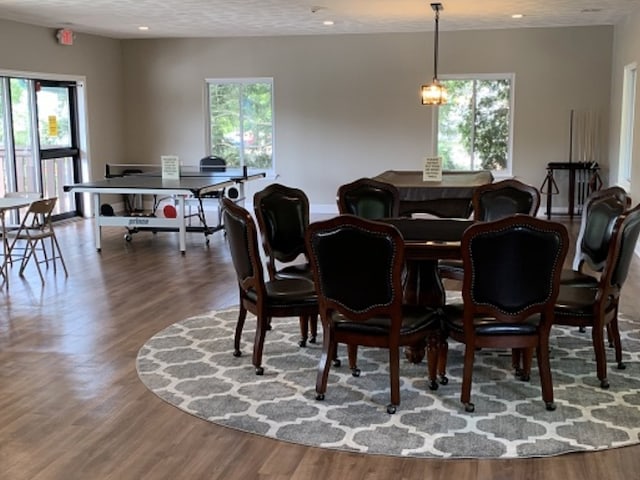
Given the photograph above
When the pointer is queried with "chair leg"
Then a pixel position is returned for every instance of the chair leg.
(521, 359)
(527, 360)
(516, 359)
(242, 316)
(334, 356)
(262, 325)
(443, 351)
(352, 353)
(433, 350)
(304, 330)
(467, 372)
(394, 378)
(329, 349)
(614, 336)
(313, 322)
(56, 247)
(30, 252)
(597, 335)
(544, 366)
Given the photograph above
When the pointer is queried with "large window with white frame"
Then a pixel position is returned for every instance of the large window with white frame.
(240, 121)
(627, 121)
(474, 129)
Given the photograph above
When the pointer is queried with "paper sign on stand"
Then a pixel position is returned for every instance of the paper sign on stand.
(170, 167)
(432, 169)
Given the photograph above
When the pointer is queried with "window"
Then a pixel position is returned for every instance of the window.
(474, 128)
(240, 123)
(627, 125)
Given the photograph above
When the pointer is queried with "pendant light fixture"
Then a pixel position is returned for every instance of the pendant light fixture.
(434, 93)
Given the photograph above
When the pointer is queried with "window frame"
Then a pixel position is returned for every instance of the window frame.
(242, 81)
(507, 172)
(627, 124)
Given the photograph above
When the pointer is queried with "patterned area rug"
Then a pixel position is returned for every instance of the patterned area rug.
(190, 365)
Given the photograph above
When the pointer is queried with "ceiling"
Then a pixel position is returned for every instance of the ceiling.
(233, 18)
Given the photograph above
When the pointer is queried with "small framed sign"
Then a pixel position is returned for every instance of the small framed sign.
(432, 169)
(170, 167)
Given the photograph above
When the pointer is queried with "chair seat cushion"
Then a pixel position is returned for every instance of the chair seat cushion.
(573, 277)
(575, 300)
(288, 291)
(451, 268)
(415, 318)
(301, 270)
(453, 320)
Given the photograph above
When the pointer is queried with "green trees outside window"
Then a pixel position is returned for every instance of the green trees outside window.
(474, 127)
(241, 122)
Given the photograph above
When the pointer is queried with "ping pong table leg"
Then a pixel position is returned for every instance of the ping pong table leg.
(97, 228)
(182, 226)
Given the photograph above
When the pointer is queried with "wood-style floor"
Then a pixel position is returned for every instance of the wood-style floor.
(72, 407)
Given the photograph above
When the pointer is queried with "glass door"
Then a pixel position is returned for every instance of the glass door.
(59, 155)
(39, 139)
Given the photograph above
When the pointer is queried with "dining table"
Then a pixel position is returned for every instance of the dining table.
(426, 241)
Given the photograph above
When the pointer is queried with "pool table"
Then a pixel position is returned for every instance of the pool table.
(449, 198)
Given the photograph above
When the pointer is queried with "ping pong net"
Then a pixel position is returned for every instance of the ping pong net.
(115, 170)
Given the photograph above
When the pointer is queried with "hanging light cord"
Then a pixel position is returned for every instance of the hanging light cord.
(436, 7)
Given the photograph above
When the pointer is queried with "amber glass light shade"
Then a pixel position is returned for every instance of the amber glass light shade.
(434, 93)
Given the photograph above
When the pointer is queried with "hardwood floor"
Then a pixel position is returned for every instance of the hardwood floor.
(72, 407)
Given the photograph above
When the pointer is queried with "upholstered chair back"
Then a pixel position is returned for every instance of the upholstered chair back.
(359, 266)
(242, 238)
(512, 266)
(283, 216)
(494, 201)
(370, 199)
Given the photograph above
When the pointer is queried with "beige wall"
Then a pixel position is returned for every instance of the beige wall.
(626, 51)
(347, 106)
(25, 48)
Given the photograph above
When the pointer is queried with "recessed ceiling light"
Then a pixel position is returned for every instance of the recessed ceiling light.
(143, 28)
(517, 15)
(328, 22)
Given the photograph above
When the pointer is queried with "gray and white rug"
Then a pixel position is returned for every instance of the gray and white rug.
(190, 365)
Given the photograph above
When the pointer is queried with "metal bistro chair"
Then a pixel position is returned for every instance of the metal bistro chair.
(357, 266)
(511, 282)
(34, 230)
(265, 299)
(211, 164)
(494, 201)
(283, 217)
(368, 198)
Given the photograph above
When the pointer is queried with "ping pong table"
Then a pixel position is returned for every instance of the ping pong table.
(143, 179)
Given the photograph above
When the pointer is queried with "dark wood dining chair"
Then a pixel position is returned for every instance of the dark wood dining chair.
(599, 213)
(265, 299)
(283, 217)
(369, 198)
(357, 266)
(511, 283)
(494, 201)
(584, 305)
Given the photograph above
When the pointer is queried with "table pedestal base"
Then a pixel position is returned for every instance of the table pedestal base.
(423, 286)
